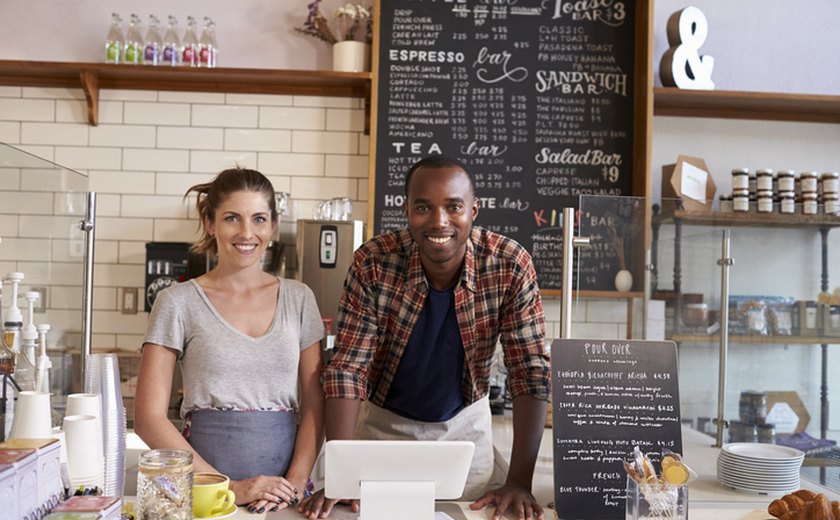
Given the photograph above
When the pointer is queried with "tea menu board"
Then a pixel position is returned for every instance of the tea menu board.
(535, 96)
(607, 397)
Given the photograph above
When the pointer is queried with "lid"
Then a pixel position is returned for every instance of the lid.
(695, 306)
(762, 173)
(808, 174)
(787, 195)
(740, 171)
(740, 192)
(786, 173)
(809, 195)
(831, 195)
(724, 196)
(831, 175)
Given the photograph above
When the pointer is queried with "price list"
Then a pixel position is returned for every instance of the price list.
(607, 398)
(534, 96)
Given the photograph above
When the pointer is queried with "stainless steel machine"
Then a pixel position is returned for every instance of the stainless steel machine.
(324, 253)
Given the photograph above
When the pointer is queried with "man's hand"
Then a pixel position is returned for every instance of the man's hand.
(319, 506)
(517, 500)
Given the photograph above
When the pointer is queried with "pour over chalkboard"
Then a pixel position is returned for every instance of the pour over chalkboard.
(607, 397)
(536, 97)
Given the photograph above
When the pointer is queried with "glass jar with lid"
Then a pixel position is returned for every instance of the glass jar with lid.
(764, 180)
(830, 182)
(786, 179)
(725, 202)
(787, 202)
(765, 201)
(808, 182)
(809, 203)
(831, 203)
(741, 200)
(741, 179)
(164, 485)
(767, 433)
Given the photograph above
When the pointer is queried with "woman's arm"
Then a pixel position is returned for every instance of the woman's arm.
(310, 435)
(151, 402)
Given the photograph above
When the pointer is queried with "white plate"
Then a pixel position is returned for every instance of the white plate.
(744, 489)
(754, 450)
(751, 469)
(734, 481)
(762, 463)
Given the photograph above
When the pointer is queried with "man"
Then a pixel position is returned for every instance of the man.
(419, 318)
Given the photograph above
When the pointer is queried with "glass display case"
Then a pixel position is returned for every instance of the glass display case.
(45, 222)
(769, 333)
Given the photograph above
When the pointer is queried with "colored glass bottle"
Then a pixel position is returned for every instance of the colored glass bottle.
(171, 44)
(134, 41)
(115, 41)
(189, 56)
(154, 43)
(207, 47)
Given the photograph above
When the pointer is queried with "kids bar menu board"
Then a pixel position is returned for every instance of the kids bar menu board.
(607, 397)
(535, 96)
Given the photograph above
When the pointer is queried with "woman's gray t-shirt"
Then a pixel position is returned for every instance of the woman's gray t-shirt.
(224, 368)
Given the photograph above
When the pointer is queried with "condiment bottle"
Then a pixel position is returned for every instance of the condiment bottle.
(207, 50)
(765, 201)
(808, 181)
(786, 180)
(741, 200)
(171, 43)
(764, 180)
(154, 43)
(134, 41)
(809, 203)
(115, 41)
(741, 179)
(190, 54)
(830, 182)
(787, 202)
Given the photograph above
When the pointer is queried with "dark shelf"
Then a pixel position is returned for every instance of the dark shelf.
(737, 219)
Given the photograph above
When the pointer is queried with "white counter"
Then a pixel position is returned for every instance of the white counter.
(708, 500)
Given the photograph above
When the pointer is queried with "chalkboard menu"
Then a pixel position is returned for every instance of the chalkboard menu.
(536, 97)
(607, 397)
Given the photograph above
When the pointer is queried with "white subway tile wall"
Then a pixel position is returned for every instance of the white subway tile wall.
(148, 149)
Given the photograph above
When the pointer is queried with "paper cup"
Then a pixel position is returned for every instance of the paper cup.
(84, 458)
(32, 416)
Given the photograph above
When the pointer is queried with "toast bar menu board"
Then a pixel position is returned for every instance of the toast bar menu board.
(534, 96)
(607, 397)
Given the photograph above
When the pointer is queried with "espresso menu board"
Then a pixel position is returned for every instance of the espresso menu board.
(609, 396)
(534, 96)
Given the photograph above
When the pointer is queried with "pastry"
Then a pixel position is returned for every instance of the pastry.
(804, 505)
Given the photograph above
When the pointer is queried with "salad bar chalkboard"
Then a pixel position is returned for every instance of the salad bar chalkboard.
(536, 97)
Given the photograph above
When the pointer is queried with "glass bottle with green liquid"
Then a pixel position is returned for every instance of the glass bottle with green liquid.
(115, 41)
(134, 41)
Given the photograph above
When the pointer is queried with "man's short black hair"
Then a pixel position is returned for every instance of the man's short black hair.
(435, 162)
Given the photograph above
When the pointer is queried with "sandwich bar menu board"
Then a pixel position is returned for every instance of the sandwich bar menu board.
(609, 396)
(534, 96)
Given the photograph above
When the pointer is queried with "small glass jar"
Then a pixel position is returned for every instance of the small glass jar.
(830, 182)
(787, 202)
(741, 200)
(767, 433)
(741, 179)
(808, 182)
(765, 201)
(831, 203)
(164, 485)
(725, 203)
(764, 180)
(786, 179)
(809, 203)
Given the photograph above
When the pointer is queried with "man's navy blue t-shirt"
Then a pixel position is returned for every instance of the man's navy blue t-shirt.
(427, 384)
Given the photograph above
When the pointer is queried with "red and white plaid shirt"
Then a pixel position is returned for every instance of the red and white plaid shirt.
(496, 298)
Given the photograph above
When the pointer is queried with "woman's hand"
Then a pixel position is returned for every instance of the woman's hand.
(263, 493)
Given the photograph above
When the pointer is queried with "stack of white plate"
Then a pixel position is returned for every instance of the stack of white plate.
(764, 469)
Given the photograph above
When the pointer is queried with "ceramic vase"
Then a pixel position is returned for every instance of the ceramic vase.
(351, 56)
(623, 281)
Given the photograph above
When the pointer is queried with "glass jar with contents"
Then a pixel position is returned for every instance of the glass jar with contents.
(741, 200)
(808, 182)
(752, 407)
(786, 180)
(787, 202)
(764, 180)
(831, 203)
(725, 203)
(164, 485)
(830, 182)
(765, 201)
(767, 433)
(809, 203)
(741, 179)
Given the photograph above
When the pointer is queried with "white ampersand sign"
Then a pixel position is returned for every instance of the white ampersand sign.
(682, 65)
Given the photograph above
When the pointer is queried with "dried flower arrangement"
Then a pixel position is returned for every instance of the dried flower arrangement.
(353, 22)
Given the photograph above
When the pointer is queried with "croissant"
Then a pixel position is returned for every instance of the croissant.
(804, 505)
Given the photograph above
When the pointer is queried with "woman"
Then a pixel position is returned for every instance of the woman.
(248, 343)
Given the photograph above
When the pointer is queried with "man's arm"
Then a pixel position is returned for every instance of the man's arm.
(529, 416)
(341, 416)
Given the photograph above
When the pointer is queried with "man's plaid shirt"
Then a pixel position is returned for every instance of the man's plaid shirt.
(496, 298)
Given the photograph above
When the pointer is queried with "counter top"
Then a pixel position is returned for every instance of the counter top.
(708, 499)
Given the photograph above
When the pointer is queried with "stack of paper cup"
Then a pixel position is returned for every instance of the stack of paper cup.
(102, 377)
(88, 404)
(84, 458)
(33, 416)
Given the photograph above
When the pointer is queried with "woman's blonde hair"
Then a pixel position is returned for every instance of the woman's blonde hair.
(210, 195)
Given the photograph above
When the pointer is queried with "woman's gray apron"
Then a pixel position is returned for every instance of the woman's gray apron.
(473, 423)
(243, 443)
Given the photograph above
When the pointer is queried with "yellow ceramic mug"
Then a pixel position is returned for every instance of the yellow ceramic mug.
(211, 496)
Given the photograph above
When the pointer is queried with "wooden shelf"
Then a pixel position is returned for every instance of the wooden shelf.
(768, 340)
(728, 104)
(737, 219)
(92, 77)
